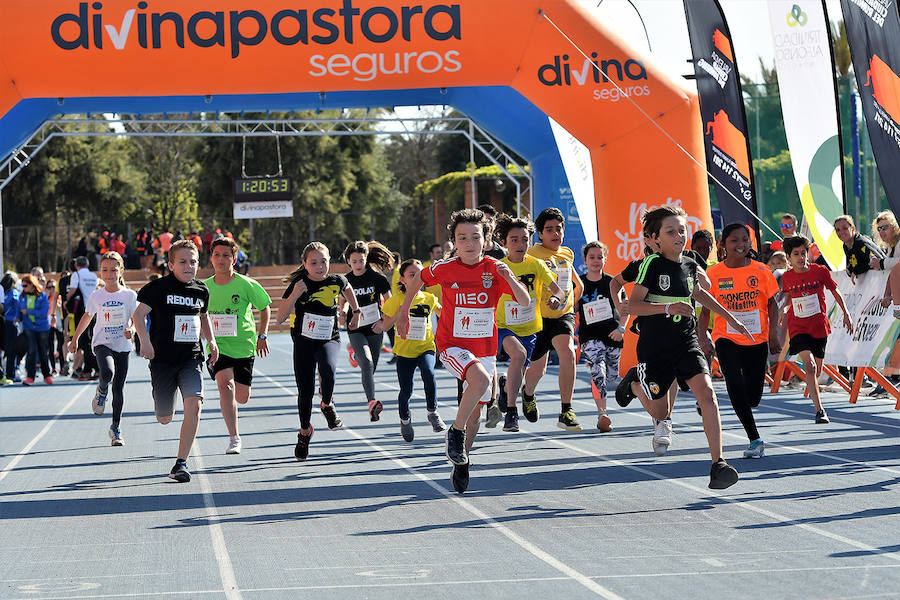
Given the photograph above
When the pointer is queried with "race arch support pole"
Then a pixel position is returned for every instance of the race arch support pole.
(2, 257)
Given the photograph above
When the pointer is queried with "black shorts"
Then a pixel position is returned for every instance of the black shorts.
(659, 371)
(243, 368)
(564, 325)
(804, 341)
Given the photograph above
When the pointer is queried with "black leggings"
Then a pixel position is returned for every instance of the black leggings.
(56, 346)
(113, 367)
(744, 369)
(309, 354)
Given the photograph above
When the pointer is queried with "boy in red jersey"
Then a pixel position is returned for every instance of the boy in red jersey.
(808, 326)
(471, 286)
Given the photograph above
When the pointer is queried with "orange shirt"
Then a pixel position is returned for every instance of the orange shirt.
(745, 292)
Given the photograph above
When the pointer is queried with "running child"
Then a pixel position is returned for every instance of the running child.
(517, 327)
(112, 306)
(312, 293)
(371, 289)
(232, 298)
(414, 350)
(177, 305)
(467, 334)
(601, 328)
(808, 326)
(667, 346)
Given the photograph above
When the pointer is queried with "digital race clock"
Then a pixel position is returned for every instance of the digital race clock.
(257, 189)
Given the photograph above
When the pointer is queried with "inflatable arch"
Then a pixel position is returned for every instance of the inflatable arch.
(504, 63)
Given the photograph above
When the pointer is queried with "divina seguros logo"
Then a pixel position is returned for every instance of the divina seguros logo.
(597, 71)
(93, 27)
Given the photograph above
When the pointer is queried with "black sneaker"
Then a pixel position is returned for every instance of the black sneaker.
(456, 446)
(179, 472)
(494, 415)
(822, 418)
(501, 393)
(407, 431)
(459, 477)
(331, 416)
(511, 421)
(568, 421)
(529, 407)
(722, 475)
(375, 407)
(624, 395)
(301, 450)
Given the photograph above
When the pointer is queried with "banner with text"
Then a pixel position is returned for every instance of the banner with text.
(873, 31)
(806, 83)
(875, 329)
(722, 111)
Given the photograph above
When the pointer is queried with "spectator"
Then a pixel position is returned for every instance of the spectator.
(788, 229)
(34, 308)
(143, 244)
(81, 285)
(858, 249)
(116, 244)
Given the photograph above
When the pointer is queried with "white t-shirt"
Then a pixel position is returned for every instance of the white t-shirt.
(84, 280)
(112, 312)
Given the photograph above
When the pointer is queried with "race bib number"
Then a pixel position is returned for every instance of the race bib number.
(806, 306)
(749, 319)
(563, 276)
(418, 329)
(224, 325)
(112, 316)
(520, 315)
(187, 328)
(473, 322)
(598, 310)
(317, 327)
(369, 314)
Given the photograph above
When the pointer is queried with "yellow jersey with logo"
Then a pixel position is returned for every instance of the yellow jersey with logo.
(561, 263)
(534, 275)
(421, 308)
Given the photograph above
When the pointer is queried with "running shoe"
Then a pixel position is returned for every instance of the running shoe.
(64, 371)
(822, 418)
(331, 416)
(116, 436)
(406, 430)
(757, 449)
(529, 407)
(393, 359)
(511, 421)
(662, 436)
(437, 423)
(28, 381)
(624, 395)
(494, 415)
(48, 380)
(459, 477)
(375, 408)
(568, 421)
(456, 446)
(697, 406)
(604, 423)
(84, 376)
(722, 475)
(353, 362)
(234, 445)
(99, 402)
(501, 393)
(301, 450)
(6, 381)
(179, 472)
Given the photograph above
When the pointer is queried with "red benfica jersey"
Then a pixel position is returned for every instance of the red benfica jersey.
(469, 297)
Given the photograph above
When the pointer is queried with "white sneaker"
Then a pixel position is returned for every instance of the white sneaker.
(234, 445)
(662, 436)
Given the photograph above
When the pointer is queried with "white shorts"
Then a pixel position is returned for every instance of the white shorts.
(458, 360)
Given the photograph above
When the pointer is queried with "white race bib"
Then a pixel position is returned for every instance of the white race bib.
(418, 329)
(369, 314)
(806, 306)
(224, 325)
(563, 276)
(598, 310)
(112, 316)
(520, 315)
(317, 327)
(473, 322)
(749, 319)
(187, 328)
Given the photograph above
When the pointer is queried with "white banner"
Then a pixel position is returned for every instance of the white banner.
(264, 209)
(875, 329)
(806, 84)
(576, 159)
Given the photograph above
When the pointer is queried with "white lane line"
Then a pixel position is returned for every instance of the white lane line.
(552, 561)
(24, 452)
(223, 559)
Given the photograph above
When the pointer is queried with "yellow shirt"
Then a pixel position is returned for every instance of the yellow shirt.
(422, 307)
(534, 275)
(395, 282)
(561, 261)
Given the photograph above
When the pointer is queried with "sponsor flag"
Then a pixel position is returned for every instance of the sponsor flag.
(808, 90)
(576, 159)
(722, 110)
(873, 31)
